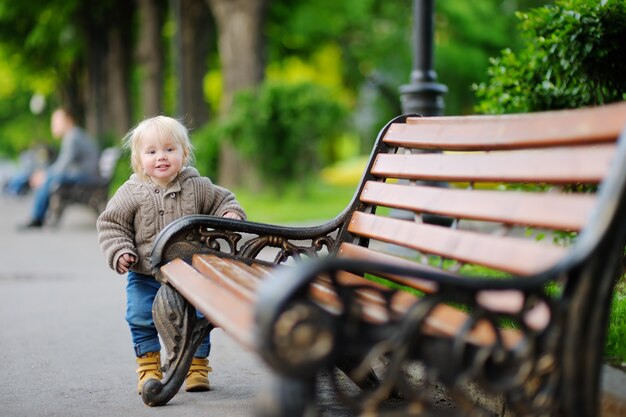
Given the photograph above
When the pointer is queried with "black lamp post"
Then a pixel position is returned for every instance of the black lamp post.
(424, 95)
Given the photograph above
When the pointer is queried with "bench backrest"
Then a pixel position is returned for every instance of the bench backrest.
(514, 190)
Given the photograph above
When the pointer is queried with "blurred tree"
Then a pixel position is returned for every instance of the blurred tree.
(467, 35)
(106, 27)
(84, 50)
(119, 57)
(241, 44)
(374, 37)
(38, 35)
(149, 56)
(197, 36)
(290, 133)
(241, 49)
(37, 56)
(358, 48)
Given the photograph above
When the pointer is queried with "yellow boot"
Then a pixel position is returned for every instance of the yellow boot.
(198, 376)
(149, 367)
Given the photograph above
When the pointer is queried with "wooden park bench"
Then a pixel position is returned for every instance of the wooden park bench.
(93, 193)
(491, 289)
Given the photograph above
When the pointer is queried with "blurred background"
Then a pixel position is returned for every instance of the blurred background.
(330, 70)
(285, 97)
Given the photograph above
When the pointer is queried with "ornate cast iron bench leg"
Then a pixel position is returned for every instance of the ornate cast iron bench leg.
(181, 333)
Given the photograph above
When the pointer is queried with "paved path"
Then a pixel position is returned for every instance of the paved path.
(65, 348)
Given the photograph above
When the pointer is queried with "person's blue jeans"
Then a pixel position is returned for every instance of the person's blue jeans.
(18, 184)
(42, 194)
(140, 292)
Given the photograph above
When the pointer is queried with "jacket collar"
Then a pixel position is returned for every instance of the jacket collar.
(174, 186)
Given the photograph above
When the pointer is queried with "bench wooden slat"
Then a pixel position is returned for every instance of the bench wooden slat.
(240, 282)
(554, 166)
(372, 310)
(229, 273)
(591, 125)
(225, 309)
(554, 211)
(444, 320)
(491, 251)
(262, 269)
(246, 275)
(349, 250)
(447, 321)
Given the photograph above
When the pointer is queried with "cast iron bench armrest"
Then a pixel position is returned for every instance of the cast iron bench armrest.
(278, 292)
(203, 233)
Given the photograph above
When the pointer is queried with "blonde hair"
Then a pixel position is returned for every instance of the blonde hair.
(163, 127)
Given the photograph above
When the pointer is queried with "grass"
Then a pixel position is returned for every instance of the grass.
(313, 203)
(616, 336)
(318, 203)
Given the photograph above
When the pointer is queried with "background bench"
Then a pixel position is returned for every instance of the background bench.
(504, 302)
(93, 194)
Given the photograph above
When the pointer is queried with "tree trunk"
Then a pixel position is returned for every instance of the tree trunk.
(95, 83)
(196, 32)
(72, 92)
(107, 30)
(149, 56)
(241, 48)
(119, 55)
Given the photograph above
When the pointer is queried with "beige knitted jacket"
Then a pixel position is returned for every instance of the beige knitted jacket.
(139, 210)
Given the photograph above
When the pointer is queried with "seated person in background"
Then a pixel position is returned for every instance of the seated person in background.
(77, 162)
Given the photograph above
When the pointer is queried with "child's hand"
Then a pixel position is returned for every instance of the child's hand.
(124, 263)
(232, 215)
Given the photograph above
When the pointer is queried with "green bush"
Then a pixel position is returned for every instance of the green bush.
(288, 131)
(206, 142)
(574, 55)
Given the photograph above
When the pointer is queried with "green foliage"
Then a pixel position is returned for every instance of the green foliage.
(361, 49)
(373, 42)
(42, 30)
(37, 45)
(123, 171)
(375, 38)
(616, 337)
(466, 35)
(286, 130)
(24, 129)
(206, 142)
(574, 56)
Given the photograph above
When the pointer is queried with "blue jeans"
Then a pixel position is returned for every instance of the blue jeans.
(42, 194)
(18, 184)
(140, 292)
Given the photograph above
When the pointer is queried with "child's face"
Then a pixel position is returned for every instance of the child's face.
(161, 158)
